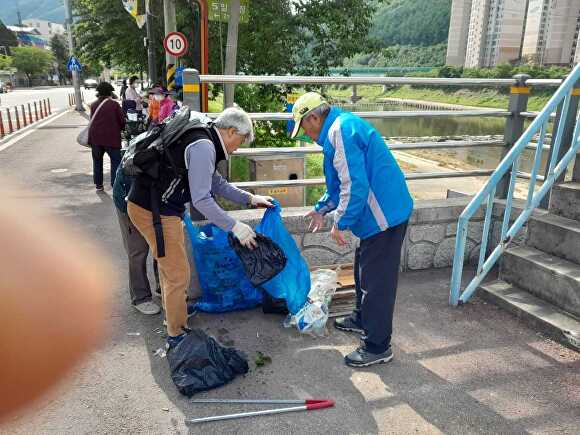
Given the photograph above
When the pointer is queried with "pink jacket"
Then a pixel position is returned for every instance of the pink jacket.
(166, 109)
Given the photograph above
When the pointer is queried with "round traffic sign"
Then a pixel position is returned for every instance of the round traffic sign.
(175, 44)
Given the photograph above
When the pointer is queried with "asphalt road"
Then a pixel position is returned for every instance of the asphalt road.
(58, 96)
(473, 370)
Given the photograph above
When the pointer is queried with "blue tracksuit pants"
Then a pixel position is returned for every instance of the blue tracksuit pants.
(376, 274)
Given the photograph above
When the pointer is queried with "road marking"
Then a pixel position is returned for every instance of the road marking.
(33, 128)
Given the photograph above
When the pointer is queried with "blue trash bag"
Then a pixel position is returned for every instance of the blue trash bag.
(221, 275)
(293, 283)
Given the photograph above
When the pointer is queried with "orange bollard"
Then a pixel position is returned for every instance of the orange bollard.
(30, 121)
(49, 108)
(23, 116)
(45, 107)
(35, 111)
(2, 133)
(41, 109)
(17, 118)
(10, 128)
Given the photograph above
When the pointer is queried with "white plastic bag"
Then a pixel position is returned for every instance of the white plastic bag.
(312, 318)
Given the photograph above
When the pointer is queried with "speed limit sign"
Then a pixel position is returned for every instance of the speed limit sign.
(175, 44)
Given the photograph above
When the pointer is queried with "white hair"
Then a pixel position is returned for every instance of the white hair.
(236, 118)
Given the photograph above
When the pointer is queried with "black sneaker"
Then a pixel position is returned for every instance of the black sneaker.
(99, 189)
(363, 358)
(348, 324)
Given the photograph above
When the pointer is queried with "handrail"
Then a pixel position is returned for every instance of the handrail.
(562, 98)
(496, 113)
(281, 151)
(368, 80)
(320, 181)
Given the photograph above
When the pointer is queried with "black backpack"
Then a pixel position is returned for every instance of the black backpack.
(148, 158)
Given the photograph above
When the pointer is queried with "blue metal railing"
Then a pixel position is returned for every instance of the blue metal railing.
(561, 99)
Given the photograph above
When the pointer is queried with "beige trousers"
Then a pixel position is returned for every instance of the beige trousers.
(174, 272)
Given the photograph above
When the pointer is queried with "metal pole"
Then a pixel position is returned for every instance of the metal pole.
(514, 128)
(170, 26)
(231, 50)
(568, 122)
(75, 74)
(152, 70)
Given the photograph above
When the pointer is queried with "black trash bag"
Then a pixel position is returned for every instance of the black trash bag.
(199, 363)
(262, 263)
(272, 305)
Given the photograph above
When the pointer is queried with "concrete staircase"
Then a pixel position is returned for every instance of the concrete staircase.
(540, 281)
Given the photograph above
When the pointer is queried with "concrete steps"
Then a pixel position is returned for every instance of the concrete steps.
(540, 314)
(565, 200)
(555, 235)
(548, 277)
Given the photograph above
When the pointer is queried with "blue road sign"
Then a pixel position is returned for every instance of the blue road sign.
(179, 76)
(74, 64)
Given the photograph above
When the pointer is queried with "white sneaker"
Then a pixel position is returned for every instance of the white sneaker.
(150, 308)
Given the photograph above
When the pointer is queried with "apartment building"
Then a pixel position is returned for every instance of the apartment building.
(458, 31)
(46, 29)
(551, 36)
(495, 33)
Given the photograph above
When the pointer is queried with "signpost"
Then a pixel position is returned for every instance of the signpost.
(74, 65)
(176, 44)
(219, 10)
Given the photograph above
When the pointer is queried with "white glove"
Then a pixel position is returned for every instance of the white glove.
(261, 201)
(245, 234)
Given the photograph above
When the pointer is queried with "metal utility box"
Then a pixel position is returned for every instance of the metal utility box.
(288, 167)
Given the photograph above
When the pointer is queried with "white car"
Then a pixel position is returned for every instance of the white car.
(90, 83)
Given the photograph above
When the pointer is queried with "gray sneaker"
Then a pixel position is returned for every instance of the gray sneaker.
(148, 307)
(363, 358)
(348, 324)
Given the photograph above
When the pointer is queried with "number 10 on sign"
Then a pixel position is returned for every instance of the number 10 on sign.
(175, 44)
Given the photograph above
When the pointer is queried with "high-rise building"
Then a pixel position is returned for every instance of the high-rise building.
(552, 32)
(46, 29)
(495, 32)
(458, 31)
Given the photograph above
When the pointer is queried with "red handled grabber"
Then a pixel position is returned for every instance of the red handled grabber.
(306, 405)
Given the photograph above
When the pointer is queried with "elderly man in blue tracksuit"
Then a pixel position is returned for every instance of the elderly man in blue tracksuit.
(367, 192)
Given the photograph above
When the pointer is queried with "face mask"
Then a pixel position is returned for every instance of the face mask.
(158, 97)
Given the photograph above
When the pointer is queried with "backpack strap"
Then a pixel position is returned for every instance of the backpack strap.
(157, 225)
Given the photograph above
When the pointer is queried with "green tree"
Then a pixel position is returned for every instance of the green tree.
(32, 61)
(5, 62)
(330, 31)
(412, 22)
(60, 53)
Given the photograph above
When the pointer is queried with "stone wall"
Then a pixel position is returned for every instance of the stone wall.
(430, 240)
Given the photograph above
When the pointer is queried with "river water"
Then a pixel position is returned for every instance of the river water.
(481, 157)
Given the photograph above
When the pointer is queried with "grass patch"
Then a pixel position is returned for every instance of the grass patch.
(485, 97)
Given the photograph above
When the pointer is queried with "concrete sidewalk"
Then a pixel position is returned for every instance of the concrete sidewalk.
(475, 369)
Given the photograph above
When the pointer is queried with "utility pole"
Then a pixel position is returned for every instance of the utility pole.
(152, 71)
(231, 50)
(170, 26)
(75, 74)
(18, 14)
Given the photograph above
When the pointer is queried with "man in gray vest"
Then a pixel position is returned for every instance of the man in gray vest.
(199, 153)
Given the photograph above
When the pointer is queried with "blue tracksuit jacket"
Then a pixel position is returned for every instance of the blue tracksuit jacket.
(364, 184)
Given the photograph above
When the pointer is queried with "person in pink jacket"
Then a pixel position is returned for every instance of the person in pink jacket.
(166, 103)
